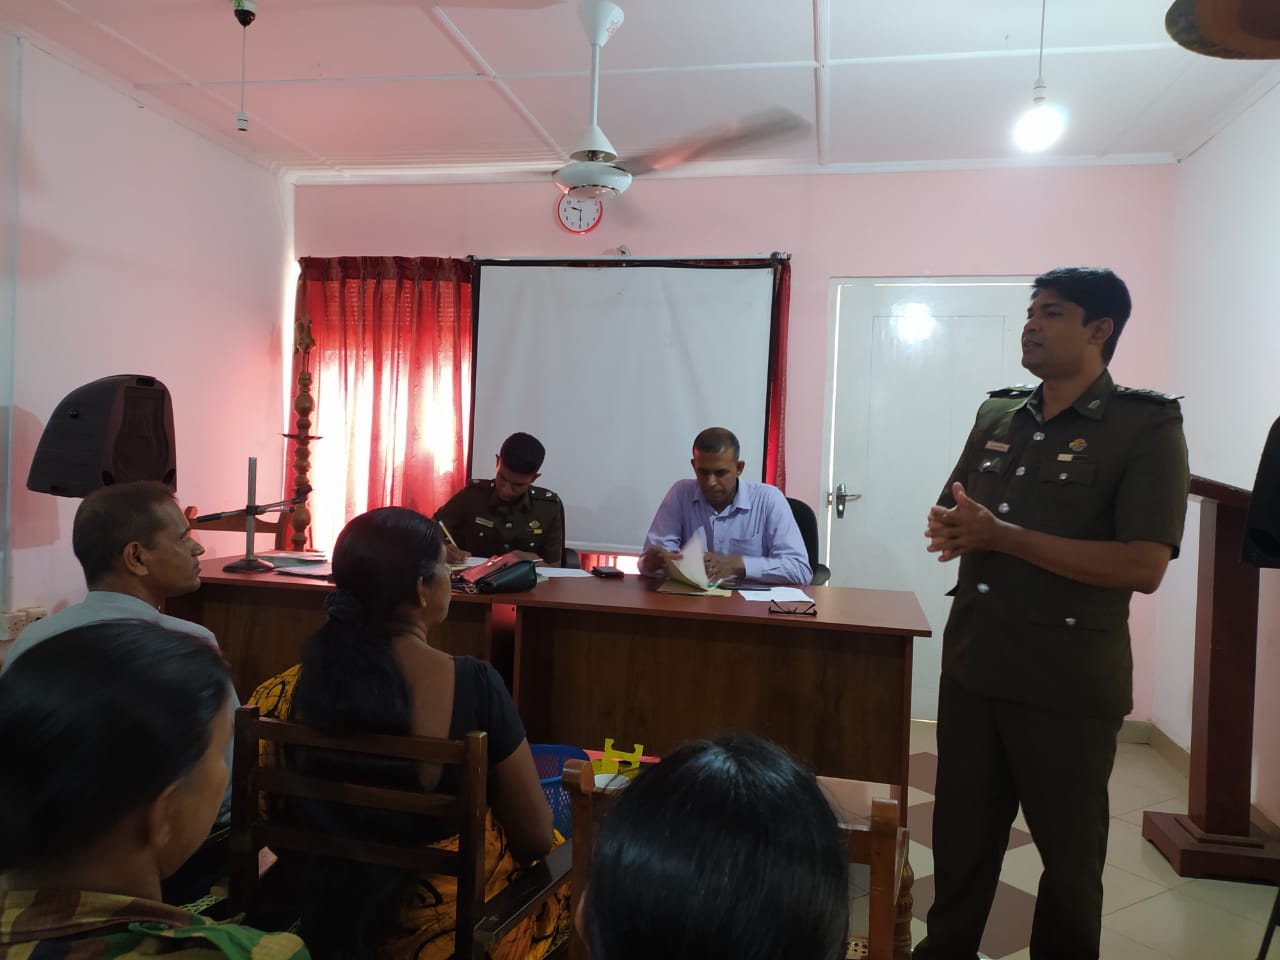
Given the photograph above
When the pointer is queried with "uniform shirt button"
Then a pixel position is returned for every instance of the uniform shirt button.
(1037, 435)
(1020, 471)
(1070, 621)
(1062, 476)
(984, 588)
(508, 523)
(1003, 508)
(986, 464)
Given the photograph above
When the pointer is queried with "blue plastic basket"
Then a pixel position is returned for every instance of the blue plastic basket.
(549, 760)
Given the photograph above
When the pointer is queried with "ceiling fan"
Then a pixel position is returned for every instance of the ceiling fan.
(594, 171)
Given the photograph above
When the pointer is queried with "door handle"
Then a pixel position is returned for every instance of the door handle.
(840, 498)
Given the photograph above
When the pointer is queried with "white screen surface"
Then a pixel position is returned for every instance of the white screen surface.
(615, 370)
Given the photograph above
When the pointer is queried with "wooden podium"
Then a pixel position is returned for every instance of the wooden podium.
(1215, 837)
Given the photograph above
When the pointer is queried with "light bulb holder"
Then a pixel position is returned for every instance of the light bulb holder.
(242, 121)
(1038, 91)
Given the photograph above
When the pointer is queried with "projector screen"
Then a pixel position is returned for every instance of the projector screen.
(616, 369)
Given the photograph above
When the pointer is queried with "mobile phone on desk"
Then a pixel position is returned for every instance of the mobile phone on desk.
(609, 572)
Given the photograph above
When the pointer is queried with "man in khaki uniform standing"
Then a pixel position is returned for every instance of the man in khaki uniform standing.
(489, 517)
(1067, 498)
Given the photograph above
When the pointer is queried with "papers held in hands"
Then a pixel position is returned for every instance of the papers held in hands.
(688, 573)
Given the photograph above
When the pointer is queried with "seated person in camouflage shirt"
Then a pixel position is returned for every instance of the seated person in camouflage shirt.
(115, 743)
(491, 517)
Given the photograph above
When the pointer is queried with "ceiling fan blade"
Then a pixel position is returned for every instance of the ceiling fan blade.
(775, 124)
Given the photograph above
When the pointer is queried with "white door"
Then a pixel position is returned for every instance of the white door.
(910, 362)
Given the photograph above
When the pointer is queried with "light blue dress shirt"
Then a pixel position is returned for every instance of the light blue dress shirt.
(757, 526)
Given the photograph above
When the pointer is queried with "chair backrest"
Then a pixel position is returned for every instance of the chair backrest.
(250, 831)
(879, 842)
(280, 528)
(807, 521)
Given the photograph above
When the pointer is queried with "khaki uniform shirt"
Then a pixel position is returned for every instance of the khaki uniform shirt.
(484, 526)
(1113, 466)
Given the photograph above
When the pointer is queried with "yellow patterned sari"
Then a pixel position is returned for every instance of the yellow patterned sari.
(432, 917)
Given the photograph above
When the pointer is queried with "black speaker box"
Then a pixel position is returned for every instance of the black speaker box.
(1262, 525)
(112, 430)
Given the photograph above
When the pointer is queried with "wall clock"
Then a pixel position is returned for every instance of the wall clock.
(579, 216)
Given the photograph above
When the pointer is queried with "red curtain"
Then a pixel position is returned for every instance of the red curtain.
(391, 370)
(775, 468)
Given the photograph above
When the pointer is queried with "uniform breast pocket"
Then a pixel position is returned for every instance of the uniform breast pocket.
(1069, 475)
(986, 476)
(745, 547)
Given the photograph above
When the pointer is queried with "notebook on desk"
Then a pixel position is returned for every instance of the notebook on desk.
(312, 571)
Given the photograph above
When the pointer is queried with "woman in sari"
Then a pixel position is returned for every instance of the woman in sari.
(113, 766)
(372, 669)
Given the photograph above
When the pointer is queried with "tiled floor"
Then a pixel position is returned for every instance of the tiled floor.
(1149, 912)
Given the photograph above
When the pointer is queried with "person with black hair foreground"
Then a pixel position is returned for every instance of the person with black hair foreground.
(371, 669)
(1067, 498)
(725, 850)
(115, 741)
(491, 517)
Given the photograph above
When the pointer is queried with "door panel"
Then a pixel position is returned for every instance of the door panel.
(913, 359)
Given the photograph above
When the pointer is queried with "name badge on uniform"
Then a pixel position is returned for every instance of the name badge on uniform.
(535, 526)
(997, 446)
(484, 521)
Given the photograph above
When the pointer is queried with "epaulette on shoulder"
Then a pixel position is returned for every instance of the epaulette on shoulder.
(1021, 390)
(1150, 396)
(542, 493)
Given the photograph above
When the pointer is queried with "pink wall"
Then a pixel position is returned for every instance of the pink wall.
(1225, 343)
(991, 222)
(142, 248)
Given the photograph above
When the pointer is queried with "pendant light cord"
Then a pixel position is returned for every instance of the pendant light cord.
(1040, 67)
(244, 41)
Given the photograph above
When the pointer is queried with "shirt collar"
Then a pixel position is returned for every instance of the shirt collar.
(30, 916)
(741, 500)
(520, 503)
(1091, 404)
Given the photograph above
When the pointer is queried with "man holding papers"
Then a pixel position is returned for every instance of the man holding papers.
(749, 530)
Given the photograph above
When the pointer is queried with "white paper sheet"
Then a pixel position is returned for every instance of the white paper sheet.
(781, 594)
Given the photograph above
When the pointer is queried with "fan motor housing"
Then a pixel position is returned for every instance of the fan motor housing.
(592, 180)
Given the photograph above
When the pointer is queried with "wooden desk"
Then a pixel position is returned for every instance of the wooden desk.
(263, 620)
(613, 658)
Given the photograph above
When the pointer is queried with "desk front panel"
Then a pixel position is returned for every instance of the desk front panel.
(262, 621)
(838, 699)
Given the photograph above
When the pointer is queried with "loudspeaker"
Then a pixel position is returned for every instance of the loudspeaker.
(1262, 525)
(112, 430)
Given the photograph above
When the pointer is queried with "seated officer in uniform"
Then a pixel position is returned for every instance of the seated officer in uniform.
(490, 517)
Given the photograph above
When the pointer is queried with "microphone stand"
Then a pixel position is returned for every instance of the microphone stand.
(250, 563)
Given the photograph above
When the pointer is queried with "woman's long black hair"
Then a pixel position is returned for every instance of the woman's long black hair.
(351, 683)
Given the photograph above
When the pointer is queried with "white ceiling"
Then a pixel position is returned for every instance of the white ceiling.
(375, 90)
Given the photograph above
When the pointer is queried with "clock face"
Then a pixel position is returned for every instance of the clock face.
(579, 216)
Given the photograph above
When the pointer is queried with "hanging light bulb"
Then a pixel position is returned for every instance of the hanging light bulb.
(246, 12)
(1041, 126)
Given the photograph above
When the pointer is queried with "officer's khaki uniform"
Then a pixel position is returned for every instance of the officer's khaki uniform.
(484, 526)
(1036, 668)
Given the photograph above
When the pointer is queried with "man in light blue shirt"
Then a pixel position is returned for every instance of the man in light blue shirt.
(750, 530)
(136, 550)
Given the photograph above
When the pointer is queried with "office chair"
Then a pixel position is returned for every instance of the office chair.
(808, 524)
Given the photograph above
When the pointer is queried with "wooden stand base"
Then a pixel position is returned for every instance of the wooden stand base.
(1194, 853)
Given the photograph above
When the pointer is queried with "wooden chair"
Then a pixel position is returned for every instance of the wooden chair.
(880, 843)
(279, 528)
(480, 923)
